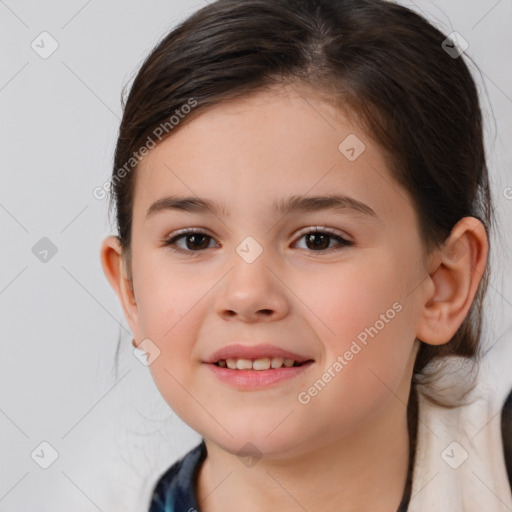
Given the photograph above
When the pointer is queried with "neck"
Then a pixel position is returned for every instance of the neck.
(365, 471)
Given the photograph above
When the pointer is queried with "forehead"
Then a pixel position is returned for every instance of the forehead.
(256, 149)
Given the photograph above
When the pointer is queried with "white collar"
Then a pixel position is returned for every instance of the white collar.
(459, 464)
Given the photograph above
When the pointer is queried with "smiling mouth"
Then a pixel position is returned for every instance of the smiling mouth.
(263, 363)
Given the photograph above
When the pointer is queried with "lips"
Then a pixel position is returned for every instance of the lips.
(240, 351)
(249, 367)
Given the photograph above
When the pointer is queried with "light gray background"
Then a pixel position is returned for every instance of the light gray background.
(60, 320)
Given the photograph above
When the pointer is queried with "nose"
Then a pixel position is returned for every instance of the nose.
(252, 292)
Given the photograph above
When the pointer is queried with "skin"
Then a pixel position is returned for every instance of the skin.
(349, 444)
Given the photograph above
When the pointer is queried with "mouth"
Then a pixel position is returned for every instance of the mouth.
(255, 367)
(258, 357)
(245, 378)
(259, 364)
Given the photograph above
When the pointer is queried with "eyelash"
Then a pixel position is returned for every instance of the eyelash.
(171, 242)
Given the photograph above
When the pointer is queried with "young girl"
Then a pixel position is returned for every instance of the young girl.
(303, 213)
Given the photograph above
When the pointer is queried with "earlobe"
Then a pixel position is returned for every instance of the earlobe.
(113, 263)
(460, 264)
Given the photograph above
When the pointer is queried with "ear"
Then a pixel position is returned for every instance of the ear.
(460, 265)
(114, 267)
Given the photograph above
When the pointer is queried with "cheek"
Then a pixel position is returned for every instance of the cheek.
(365, 327)
(164, 295)
(169, 314)
(168, 305)
(345, 301)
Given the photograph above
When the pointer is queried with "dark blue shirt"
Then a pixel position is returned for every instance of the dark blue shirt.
(175, 490)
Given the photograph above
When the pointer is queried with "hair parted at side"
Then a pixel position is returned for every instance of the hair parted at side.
(381, 63)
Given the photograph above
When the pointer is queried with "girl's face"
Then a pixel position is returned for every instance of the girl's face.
(252, 275)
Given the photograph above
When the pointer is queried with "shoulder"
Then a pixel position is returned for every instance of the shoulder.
(506, 431)
(175, 488)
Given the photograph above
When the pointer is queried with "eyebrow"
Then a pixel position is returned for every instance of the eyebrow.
(292, 204)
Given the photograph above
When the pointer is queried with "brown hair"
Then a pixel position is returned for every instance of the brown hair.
(382, 63)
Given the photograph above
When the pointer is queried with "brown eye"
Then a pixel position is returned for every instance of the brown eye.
(320, 240)
(194, 241)
(197, 241)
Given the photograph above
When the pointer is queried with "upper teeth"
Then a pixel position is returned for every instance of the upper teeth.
(263, 363)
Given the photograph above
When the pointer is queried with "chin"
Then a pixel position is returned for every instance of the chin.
(256, 442)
